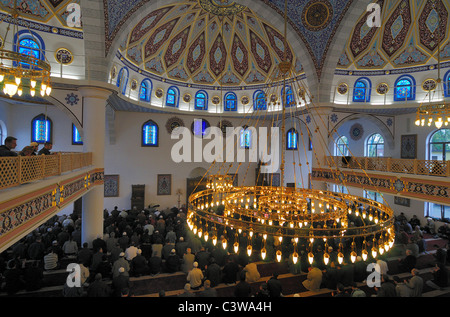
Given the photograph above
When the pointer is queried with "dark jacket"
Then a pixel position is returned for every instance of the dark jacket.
(5, 151)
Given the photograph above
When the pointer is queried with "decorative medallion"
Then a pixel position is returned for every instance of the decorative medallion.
(245, 100)
(215, 100)
(174, 123)
(342, 89)
(317, 15)
(72, 99)
(187, 97)
(429, 85)
(133, 84)
(273, 99)
(356, 131)
(64, 56)
(223, 125)
(398, 185)
(382, 88)
(334, 118)
(159, 93)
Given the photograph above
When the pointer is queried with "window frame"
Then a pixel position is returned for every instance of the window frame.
(120, 80)
(256, 98)
(337, 147)
(149, 87)
(74, 132)
(49, 129)
(376, 145)
(27, 34)
(295, 132)
(368, 89)
(234, 100)
(176, 94)
(205, 100)
(444, 144)
(412, 85)
(143, 136)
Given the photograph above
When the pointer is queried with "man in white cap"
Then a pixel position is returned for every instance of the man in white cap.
(121, 263)
(35, 146)
(195, 277)
(120, 281)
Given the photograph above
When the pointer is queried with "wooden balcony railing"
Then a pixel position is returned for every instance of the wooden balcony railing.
(392, 165)
(19, 170)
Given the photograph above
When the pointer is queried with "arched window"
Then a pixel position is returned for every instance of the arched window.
(292, 139)
(41, 129)
(341, 148)
(76, 137)
(259, 100)
(375, 145)
(29, 43)
(405, 88)
(199, 127)
(447, 84)
(439, 145)
(150, 134)
(173, 97)
(201, 100)
(145, 90)
(122, 80)
(245, 139)
(230, 102)
(290, 100)
(361, 90)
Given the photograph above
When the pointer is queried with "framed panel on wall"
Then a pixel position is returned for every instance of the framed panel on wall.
(111, 184)
(402, 201)
(408, 148)
(164, 184)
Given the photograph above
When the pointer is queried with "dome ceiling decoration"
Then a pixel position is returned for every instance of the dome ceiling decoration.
(188, 43)
(315, 21)
(40, 10)
(409, 36)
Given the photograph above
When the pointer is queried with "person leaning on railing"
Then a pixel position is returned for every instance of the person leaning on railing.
(26, 151)
(8, 147)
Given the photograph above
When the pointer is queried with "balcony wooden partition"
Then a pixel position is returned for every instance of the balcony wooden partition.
(19, 170)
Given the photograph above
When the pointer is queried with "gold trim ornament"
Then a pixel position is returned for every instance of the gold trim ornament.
(342, 89)
(174, 123)
(215, 100)
(245, 100)
(159, 92)
(63, 56)
(187, 98)
(429, 84)
(382, 89)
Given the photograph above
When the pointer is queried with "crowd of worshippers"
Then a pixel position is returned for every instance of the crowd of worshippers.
(149, 242)
(8, 149)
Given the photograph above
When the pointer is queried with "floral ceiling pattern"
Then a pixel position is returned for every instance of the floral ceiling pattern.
(409, 36)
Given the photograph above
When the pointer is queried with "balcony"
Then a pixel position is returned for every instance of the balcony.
(392, 165)
(18, 170)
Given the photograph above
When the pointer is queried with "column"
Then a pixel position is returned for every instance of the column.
(94, 117)
(320, 140)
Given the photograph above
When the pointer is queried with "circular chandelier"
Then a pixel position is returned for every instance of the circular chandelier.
(240, 217)
(439, 114)
(22, 73)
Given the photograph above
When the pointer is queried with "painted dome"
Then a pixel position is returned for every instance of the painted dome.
(409, 36)
(207, 42)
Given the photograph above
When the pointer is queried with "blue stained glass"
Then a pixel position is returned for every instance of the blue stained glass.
(171, 98)
(230, 102)
(360, 91)
(150, 134)
(200, 101)
(144, 91)
(246, 139)
(260, 103)
(76, 137)
(292, 139)
(41, 130)
(403, 89)
(289, 97)
(200, 127)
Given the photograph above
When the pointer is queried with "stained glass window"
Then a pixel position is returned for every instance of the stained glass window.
(41, 129)
(146, 90)
(292, 139)
(76, 137)
(230, 102)
(361, 90)
(447, 84)
(404, 89)
(199, 127)
(29, 44)
(201, 100)
(150, 134)
(375, 145)
(290, 101)
(245, 141)
(172, 97)
(259, 101)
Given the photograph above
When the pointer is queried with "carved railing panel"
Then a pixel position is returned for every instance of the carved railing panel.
(19, 170)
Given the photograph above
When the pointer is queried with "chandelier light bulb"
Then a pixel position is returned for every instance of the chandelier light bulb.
(340, 257)
(2, 77)
(326, 258)
(214, 240)
(224, 244)
(310, 257)
(263, 253)
(353, 256)
(364, 254)
(249, 250)
(278, 254)
(18, 80)
(295, 257)
(236, 247)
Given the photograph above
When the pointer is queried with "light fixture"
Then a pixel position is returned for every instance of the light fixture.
(437, 114)
(22, 73)
(304, 214)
